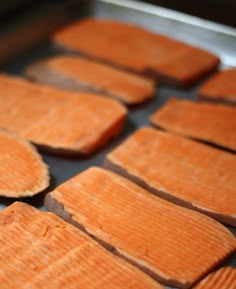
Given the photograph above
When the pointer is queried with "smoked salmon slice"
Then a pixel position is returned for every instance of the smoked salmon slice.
(224, 278)
(175, 245)
(40, 250)
(180, 170)
(57, 120)
(220, 87)
(81, 74)
(22, 170)
(214, 123)
(136, 49)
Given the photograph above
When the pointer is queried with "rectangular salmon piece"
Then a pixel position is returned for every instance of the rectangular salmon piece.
(136, 49)
(57, 120)
(22, 170)
(81, 74)
(224, 278)
(40, 250)
(213, 123)
(221, 87)
(180, 170)
(157, 236)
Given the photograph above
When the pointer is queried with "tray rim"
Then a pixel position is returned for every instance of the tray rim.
(173, 15)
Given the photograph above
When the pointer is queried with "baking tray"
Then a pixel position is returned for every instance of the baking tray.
(214, 37)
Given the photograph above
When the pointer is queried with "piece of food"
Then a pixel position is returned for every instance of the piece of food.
(81, 74)
(161, 238)
(136, 49)
(224, 278)
(183, 171)
(220, 87)
(213, 123)
(57, 120)
(22, 170)
(40, 250)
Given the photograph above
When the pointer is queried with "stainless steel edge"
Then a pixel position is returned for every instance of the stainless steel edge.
(174, 15)
(220, 39)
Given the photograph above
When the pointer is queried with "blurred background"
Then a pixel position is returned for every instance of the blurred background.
(221, 11)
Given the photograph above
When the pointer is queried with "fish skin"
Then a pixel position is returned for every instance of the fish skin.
(81, 74)
(40, 249)
(180, 170)
(22, 170)
(59, 121)
(163, 239)
(221, 87)
(137, 50)
(224, 278)
(209, 122)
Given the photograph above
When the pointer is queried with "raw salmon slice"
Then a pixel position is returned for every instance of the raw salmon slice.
(173, 244)
(39, 249)
(22, 170)
(220, 87)
(85, 75)
(224, 278)
(136, 49)
(213, 123)
(183, 171)
(58, 120)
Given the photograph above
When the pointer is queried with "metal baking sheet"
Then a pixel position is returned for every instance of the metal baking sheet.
(211, 36)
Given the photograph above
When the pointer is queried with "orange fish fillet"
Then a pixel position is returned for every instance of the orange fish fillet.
(85, 75)
(220, 87)
(224, 278)
(161, 238)
(39, 249)
(22, 170)
(213, 123)
(137, 49)
(183, 171)
(58, 120)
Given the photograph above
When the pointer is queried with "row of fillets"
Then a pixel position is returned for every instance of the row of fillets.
(147, 217)
(174, 245)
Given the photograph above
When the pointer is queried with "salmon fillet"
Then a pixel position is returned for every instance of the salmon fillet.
(220, 87)
(39, 249)
(136, 49)
(213, 123)
(183, 171)
(22, 170)
(224, 278)
(159, 237)
(58, 121)
(81, 74)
